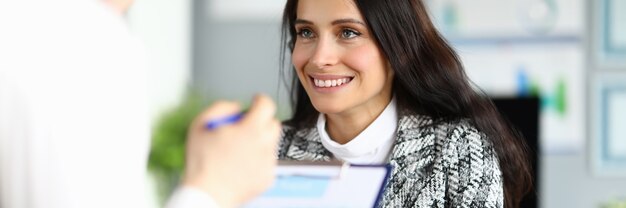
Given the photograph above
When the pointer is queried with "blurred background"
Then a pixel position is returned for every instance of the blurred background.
(567, 56)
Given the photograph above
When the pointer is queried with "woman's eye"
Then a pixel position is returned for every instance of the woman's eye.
(349, 34)
(305, 33)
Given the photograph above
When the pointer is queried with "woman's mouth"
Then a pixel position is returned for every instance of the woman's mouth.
(327, 83)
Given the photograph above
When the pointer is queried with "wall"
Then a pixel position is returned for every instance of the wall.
(567, 181)
(164, 27)
(237, 55)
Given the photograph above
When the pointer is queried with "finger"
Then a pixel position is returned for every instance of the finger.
(271, 136)
(217, 110)
(262, 110)
(275, 128)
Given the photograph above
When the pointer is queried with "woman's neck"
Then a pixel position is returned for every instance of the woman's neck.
(344, 127)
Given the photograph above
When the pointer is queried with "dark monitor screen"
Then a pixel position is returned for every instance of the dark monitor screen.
(523, 113)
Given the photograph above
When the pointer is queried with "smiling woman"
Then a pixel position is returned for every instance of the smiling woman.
(375, 84)
(340, 66)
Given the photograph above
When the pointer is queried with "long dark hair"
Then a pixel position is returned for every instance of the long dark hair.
(429, 80)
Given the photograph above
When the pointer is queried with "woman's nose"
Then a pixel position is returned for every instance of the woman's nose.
(325, 53)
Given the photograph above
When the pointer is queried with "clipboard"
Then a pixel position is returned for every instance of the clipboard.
(314, 184)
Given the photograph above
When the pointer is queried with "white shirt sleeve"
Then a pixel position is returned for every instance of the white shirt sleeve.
(74, 123)
(189, 197)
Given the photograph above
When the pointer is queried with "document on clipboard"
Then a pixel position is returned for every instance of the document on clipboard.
(324, 184)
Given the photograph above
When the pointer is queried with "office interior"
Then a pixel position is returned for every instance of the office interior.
(569, 55)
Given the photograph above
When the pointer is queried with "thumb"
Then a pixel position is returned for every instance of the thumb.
(262, 110)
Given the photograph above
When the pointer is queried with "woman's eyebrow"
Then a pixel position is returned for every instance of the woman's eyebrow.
(347, 20)
(302, 21)
(335, 22)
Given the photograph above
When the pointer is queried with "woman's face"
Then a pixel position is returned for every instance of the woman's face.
(337, 60)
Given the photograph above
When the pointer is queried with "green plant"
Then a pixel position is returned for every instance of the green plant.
(167, 152)
(615, 203)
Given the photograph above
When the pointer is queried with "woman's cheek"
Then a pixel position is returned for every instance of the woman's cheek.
(299, 58)
(363, 58)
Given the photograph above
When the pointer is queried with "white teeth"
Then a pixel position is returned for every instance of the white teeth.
(330, 83)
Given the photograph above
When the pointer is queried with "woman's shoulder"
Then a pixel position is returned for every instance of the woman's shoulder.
(292, 132)
(456, 150)
(456, 132)
(301, 143)
(464, 131)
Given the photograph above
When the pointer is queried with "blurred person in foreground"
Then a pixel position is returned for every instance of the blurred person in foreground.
(74, 125)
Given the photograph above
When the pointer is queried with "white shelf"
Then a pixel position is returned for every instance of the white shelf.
(499, 40)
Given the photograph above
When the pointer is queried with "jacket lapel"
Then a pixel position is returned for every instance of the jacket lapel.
(308, 147)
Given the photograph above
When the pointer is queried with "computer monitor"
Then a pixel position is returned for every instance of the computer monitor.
(523, 113)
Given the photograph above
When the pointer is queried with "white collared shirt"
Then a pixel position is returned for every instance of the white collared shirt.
(372, 146)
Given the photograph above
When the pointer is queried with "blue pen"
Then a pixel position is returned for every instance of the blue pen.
(213, 124)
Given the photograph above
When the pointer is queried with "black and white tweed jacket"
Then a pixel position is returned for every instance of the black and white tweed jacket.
(447, 164)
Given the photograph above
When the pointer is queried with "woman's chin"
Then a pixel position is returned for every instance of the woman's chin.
(327, 108)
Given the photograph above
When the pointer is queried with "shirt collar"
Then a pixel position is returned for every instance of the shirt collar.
(367, 145)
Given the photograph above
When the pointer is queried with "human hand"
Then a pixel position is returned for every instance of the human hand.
(235, 162)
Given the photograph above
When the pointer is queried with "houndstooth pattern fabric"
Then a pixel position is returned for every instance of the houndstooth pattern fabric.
(446, 164)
